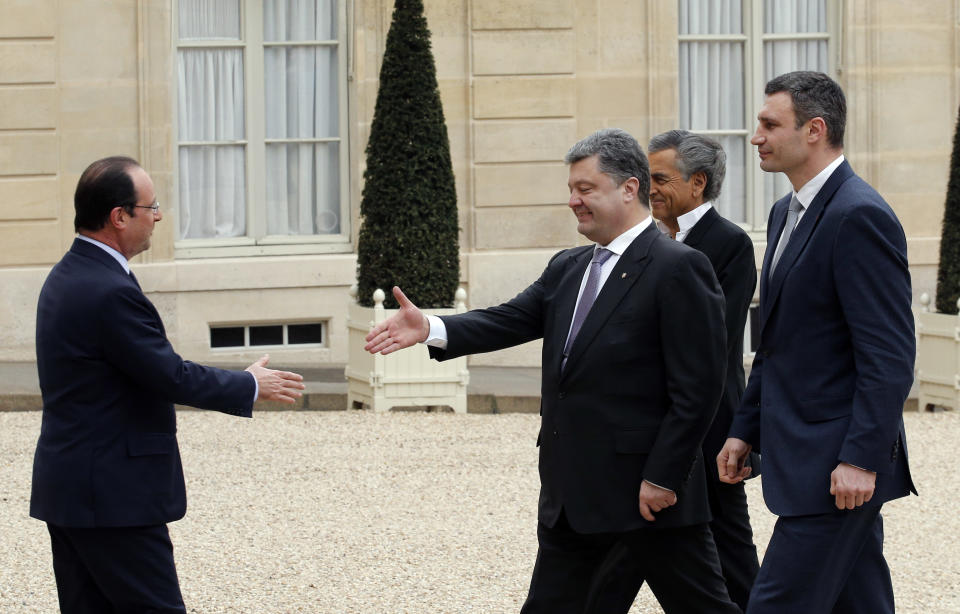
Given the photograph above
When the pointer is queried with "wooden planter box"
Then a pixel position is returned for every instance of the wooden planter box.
(405, 378)
(938, 358)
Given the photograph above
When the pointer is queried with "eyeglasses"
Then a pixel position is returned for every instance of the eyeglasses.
(155, 206)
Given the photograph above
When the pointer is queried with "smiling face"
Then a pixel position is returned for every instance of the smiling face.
(670, 194)
(781, 145)
(604, 209)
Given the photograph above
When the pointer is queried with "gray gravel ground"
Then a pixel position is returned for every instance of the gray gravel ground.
(354, 512)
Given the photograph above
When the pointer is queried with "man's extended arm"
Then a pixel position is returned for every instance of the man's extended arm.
(135, 345)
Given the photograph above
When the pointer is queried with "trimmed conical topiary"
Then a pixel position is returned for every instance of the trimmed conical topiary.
(409, 233)
(948, 274)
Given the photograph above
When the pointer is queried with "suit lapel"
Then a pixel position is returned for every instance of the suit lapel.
(568, 288)
(799, 239)
(778, 218)
(624, 275)
(701, 229)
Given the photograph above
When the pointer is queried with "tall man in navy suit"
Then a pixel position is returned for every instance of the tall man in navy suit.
(686, 176)
(825, 396)
(106, 474)
(625, 404)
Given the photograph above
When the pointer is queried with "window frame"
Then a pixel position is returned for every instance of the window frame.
(256, 242)
(753, 39)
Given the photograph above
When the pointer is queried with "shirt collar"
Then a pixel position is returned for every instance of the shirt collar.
(621, 243)
(686, 221)
(810, 189)
(689, 219)
(116, 255)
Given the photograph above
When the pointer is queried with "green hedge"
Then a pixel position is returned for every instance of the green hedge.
(948, 274)
(409, 233)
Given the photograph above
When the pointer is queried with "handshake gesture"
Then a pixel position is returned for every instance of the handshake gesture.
(282, 386)
(405, 328)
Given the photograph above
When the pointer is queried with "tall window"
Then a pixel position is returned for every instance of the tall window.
(729, 49)
(260, 114)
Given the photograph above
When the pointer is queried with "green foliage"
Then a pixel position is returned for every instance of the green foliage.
(409, 236)
(948, 274)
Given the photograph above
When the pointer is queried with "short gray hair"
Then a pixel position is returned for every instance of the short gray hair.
(619, 156)
(695, 154)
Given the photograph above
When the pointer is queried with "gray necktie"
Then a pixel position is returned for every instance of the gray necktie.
(589, 295)
(792, 215)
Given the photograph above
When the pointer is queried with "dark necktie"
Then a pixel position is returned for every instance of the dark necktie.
(589, 295)
(793, 214)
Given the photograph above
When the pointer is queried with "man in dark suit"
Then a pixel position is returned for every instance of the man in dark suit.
(625, 405)
(833, 368)
(106, 474)
(686, 175)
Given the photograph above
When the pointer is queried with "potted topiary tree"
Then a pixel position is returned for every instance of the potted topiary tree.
(409, 231)
(938, 334)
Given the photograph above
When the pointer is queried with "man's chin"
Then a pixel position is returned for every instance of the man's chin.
(768, 166)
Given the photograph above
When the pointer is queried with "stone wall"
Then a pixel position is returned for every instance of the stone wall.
(521, 80)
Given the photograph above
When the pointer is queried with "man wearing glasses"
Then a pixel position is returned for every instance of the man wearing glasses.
(107, 475)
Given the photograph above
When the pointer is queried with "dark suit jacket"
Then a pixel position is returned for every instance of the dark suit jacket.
(107, 453)
(633, 402)
(730, 251)
(836, 353)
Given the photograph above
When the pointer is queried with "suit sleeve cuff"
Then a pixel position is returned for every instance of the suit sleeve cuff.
(437, 337)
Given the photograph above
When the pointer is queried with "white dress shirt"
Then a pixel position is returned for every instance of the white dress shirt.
(810, 189)
(687, 221)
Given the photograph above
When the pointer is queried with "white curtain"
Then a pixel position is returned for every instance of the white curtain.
(711, 89)
(301, 102)
(779, 57)
(209, 19)
(212, 177)
(712, 81)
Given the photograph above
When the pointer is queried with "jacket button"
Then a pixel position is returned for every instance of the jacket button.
(561, 395)
(556, 434)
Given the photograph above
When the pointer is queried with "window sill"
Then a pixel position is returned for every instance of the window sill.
(232, 248)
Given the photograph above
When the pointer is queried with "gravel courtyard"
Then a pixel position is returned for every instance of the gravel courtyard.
(354, 512)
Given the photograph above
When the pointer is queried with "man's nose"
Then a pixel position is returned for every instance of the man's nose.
(756, 139)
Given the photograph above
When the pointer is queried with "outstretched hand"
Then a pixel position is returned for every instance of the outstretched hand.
(731, 462)
(405, 328)
(282, 386)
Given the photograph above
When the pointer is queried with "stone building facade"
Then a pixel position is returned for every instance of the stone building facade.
(521, 80)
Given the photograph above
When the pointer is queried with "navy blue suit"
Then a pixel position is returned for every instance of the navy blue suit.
(828, 384)
(107, 456)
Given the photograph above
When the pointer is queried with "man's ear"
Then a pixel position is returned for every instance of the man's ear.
(698, 183)
(118, 217)
(816, 130)
(630, 188)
